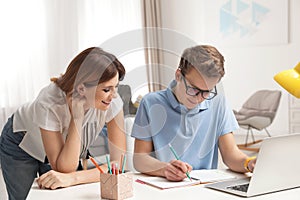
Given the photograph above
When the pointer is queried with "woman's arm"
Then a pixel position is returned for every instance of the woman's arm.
(63, 156)
(53, 179)
(116, 137)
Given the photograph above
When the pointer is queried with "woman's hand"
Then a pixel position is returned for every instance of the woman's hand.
(176, 170)
(53, 180)
(76, 105)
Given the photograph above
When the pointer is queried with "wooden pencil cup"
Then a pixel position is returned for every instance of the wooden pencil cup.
(116, 186)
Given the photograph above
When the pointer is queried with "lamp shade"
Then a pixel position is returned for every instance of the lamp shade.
(290, 80)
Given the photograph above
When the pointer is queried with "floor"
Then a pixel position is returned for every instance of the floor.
(238, 137)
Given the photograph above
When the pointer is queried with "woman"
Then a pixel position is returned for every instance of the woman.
(59, 126)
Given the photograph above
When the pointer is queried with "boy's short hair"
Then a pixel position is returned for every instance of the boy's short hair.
(204, 58)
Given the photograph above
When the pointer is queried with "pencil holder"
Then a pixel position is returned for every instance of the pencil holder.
(116, 186)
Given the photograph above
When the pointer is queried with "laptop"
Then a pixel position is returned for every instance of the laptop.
(277, 168)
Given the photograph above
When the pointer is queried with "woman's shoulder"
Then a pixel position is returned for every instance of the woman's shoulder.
(51, 95)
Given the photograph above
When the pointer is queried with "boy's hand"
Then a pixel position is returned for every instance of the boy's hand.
(176, 170)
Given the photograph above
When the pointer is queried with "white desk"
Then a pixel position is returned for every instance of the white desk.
(145, 192)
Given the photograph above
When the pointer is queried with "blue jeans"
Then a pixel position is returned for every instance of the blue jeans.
(18, 167)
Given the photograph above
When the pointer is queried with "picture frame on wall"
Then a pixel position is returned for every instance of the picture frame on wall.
(246, 22)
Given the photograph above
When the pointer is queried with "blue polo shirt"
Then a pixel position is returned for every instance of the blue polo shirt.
(193, 133)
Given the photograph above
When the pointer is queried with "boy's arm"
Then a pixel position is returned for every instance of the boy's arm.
(144, 163)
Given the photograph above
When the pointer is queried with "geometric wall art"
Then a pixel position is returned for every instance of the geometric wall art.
(246, 22)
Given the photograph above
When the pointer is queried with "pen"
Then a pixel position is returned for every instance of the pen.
(116, 169)
(177, 157)
(108, 164)
(95, 163)
(123, 164)
(113, 168)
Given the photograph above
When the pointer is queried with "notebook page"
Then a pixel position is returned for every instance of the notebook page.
(163, 183)
(210, 175)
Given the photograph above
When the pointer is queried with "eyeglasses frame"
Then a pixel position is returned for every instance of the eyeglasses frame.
(209, 97)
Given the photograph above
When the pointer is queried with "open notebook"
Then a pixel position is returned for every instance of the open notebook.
(198, 176)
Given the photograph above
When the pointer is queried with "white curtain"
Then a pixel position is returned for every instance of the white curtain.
(100, 20)
(39, 38)
(23, 53)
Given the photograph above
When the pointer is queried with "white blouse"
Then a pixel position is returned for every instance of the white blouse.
(50, 111)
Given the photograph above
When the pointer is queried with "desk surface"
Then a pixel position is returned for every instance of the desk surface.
(142, 191)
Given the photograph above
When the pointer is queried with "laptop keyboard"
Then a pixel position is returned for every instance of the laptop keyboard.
(242, 188)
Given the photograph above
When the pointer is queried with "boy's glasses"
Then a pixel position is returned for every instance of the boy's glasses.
(205, 94)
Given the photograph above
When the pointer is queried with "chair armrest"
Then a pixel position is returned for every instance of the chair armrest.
(128, 124)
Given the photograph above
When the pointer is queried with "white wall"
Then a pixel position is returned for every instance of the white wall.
(247, 68)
